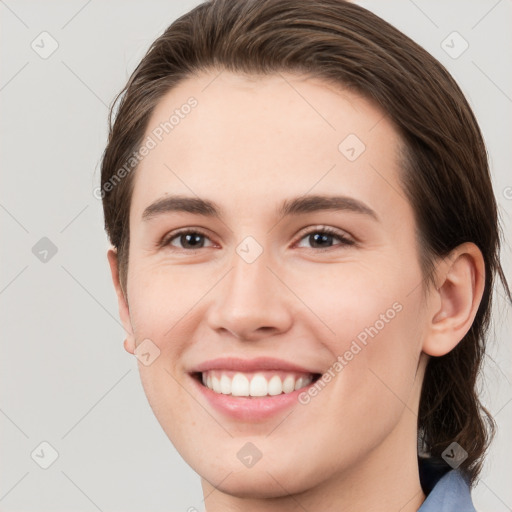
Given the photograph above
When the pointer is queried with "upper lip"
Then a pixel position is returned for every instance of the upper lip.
(248, 365)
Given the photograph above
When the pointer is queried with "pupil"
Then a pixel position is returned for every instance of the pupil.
(322, 236)
(191, 239)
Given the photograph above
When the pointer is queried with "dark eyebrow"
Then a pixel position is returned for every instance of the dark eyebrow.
(313, 203)
(178, 203)
(294, 206)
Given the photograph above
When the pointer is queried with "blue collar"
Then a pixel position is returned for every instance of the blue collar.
(446, 490)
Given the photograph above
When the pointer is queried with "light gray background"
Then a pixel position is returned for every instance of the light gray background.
(65, 377)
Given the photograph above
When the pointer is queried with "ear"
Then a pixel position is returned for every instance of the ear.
(460, 285)
(124, 311)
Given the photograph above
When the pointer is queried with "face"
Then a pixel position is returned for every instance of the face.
(280, 159)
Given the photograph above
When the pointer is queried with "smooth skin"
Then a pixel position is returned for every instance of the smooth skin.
(249, 144)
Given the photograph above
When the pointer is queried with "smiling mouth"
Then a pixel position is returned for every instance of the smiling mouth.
(256, 384)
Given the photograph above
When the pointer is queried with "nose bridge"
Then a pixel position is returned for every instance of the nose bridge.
(248, 282)
(251, 299)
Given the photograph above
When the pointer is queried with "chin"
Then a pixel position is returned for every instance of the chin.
(256, 484)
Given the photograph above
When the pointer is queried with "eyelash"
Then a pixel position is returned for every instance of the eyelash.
(324, 230)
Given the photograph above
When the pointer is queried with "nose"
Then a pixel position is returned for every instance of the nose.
(251, 302)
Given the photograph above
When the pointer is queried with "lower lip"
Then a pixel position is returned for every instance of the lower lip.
(250, 408)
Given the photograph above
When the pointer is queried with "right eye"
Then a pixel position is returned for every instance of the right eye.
(190, 239)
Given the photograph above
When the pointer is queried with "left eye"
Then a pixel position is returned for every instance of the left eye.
(193, 240)
(322, 235)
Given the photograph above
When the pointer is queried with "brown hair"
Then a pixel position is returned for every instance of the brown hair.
(445, 170)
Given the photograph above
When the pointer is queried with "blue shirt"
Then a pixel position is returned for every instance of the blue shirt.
(446, 491)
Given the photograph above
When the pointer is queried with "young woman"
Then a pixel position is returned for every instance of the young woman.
(305, 241)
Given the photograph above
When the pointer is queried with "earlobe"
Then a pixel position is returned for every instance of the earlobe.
(124, 311)
(461, 281)
(129, 345)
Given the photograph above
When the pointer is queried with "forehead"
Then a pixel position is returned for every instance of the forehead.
(261, 136)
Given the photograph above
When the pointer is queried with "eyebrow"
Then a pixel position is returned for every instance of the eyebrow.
(293, 206)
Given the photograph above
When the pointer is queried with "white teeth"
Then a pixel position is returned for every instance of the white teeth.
(253, 384)
(216, 385)
(239, 384)
(288, 384)
(275, 386)
(299, 383)
(259, 386)
(225, 385)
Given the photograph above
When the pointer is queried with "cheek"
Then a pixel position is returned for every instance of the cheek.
(373, 336)
(373, 384)
(381, 375)
(158, 309)
(161, 297)
(350, 300)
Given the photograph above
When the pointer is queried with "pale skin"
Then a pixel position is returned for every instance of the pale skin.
(250, 144)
